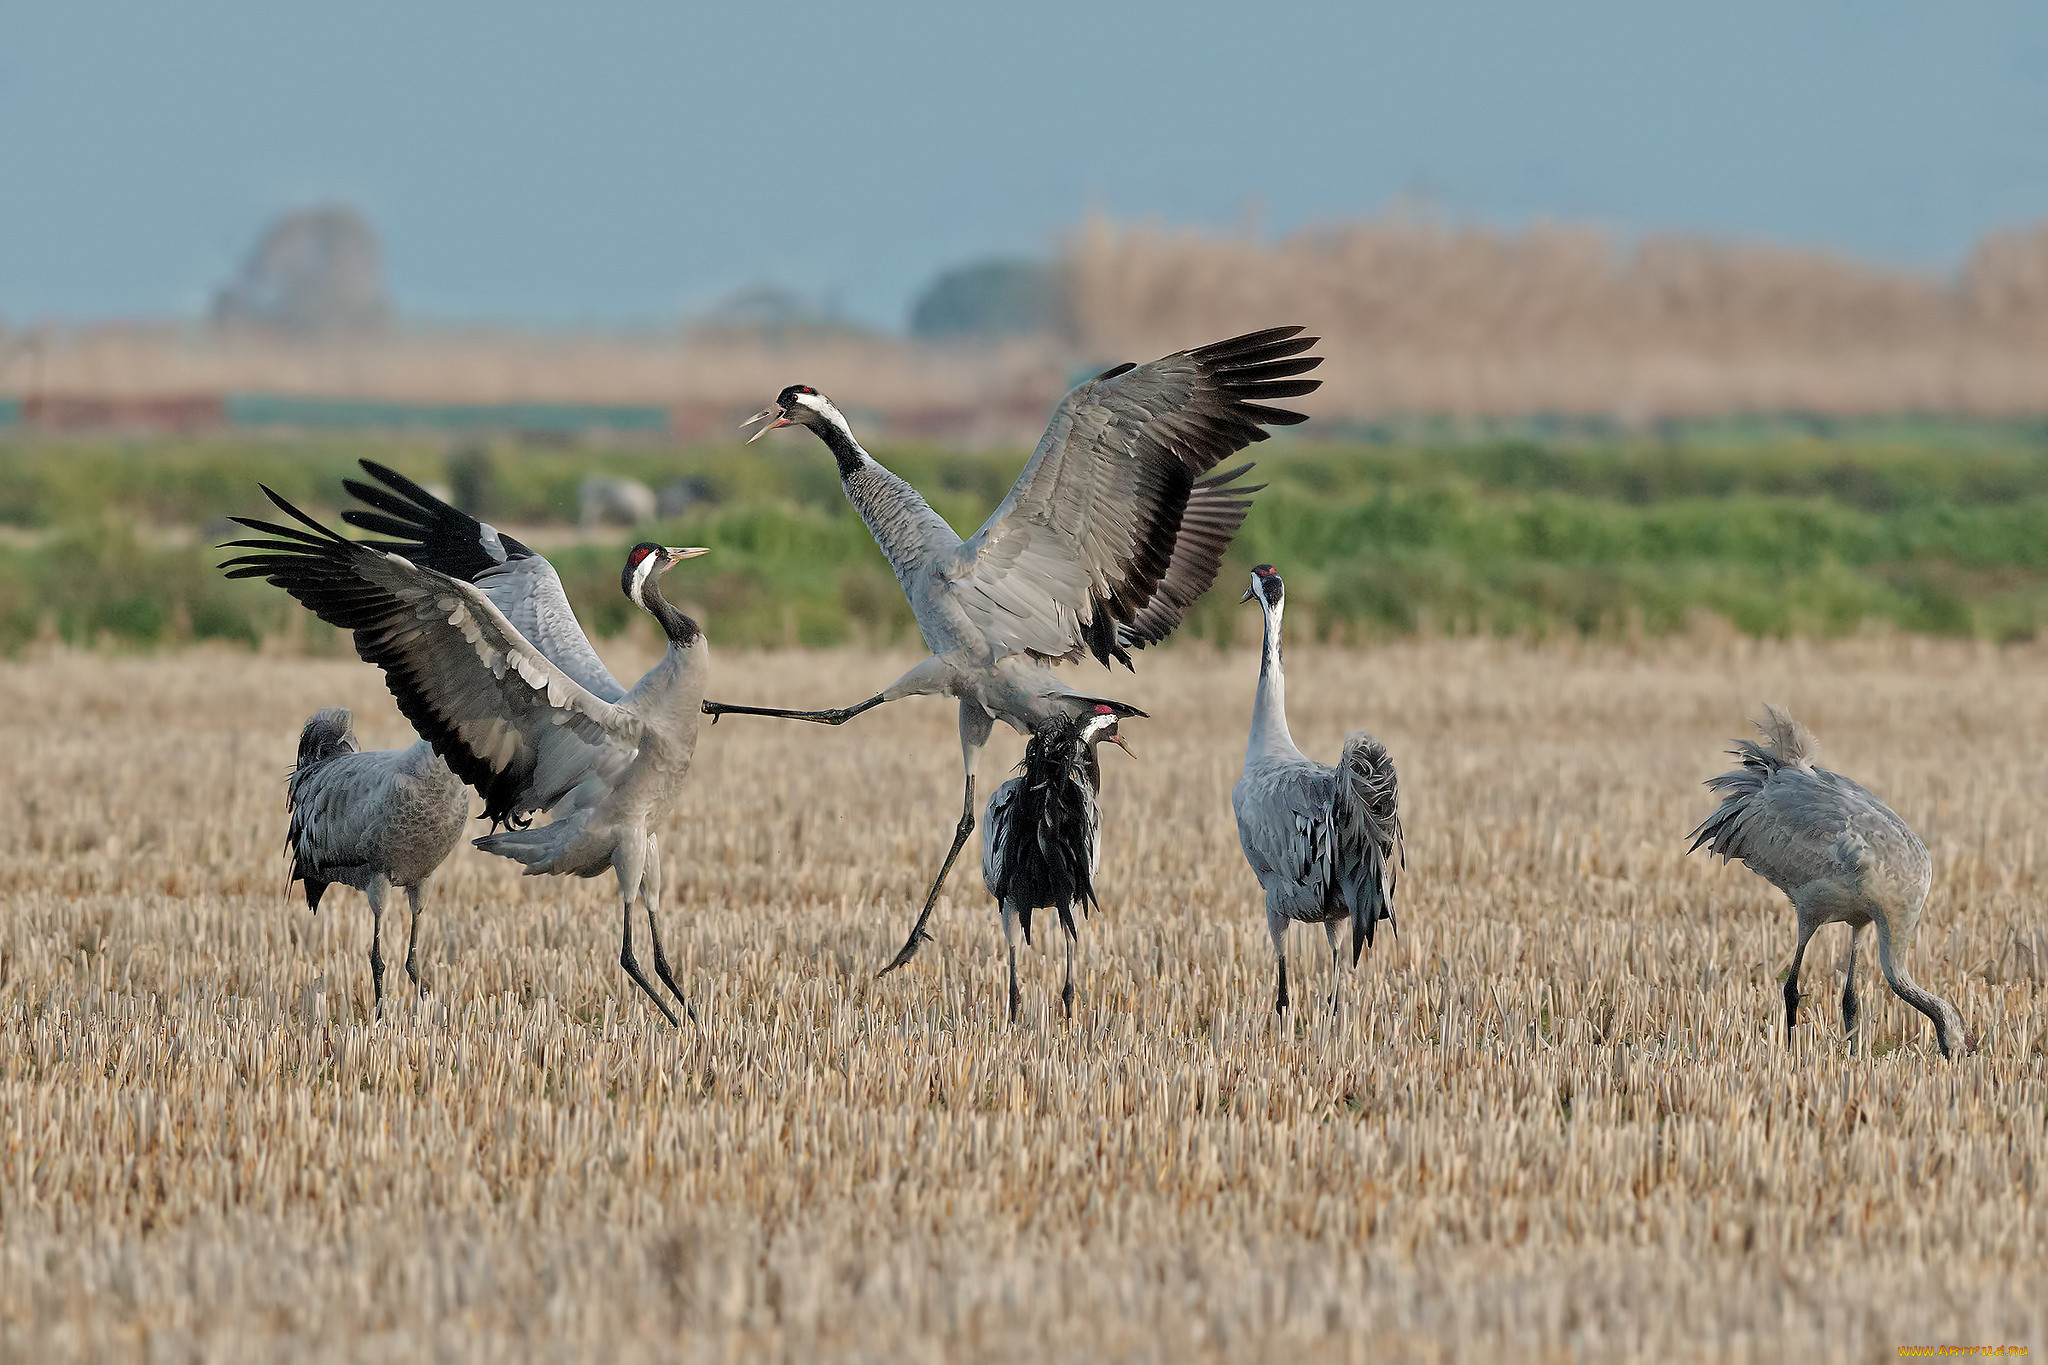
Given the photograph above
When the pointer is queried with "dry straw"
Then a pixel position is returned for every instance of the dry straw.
(1556, 1118)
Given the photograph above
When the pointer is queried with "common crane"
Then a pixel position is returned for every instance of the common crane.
(1325, 842)
(1837, 852)
(1111, 532)
(1042, 834)
(372, 821)
(508, 718)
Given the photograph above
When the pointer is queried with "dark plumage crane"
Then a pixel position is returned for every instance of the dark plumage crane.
(506, 715)
(372, 821)
(1325, 842)
(1838, 853)
(1114, 528)
(1041, 838)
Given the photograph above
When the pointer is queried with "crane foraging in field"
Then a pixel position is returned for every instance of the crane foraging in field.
(1837, 852)
(1325, 842)
(1112, 530)
(1042, 834)
(372, 821)
(508, 717)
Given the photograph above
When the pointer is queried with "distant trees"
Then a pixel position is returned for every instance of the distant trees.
(991, 298)
(315, 272)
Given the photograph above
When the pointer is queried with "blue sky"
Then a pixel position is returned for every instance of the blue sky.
(627, 163)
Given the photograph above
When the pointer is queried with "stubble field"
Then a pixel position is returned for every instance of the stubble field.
(1555, 1116)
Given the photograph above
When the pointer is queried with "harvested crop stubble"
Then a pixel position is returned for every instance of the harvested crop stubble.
(1558, 1115)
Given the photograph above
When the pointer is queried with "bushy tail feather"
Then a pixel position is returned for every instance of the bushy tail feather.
(1786, 744)
(1050, 849)
(1372, 851)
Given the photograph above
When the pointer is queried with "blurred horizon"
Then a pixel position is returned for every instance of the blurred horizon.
(644, 165)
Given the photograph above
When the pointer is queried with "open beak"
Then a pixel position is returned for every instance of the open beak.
(780, 414)
(1249, 594)
(1123, 744)
(677, 553)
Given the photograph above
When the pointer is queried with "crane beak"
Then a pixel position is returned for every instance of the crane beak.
(1123, 744)
(780, 414)
(1249, 595)
(678, 553)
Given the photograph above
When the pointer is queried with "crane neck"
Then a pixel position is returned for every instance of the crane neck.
(831, 428)
(1269, 707)
(682, 632)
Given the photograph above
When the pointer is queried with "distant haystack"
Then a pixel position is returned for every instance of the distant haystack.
(617, 502)
(316, 272)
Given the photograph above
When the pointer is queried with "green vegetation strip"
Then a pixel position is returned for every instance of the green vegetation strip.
(112, 541)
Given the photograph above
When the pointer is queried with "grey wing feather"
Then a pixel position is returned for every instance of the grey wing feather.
(1084, 542)
(522, 584)
(529, 593)
(998, 830)
(1216, 509)
(1797, 825)
(507, 721)
(1285, 826)
(397, 812)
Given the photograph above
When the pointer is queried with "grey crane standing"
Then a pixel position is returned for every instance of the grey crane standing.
(1325, 842)
(1837, 852)
(508, 719)
(1042, 834)
(1111, 532)
(372, 821)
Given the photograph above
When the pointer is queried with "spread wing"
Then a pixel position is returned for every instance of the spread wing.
(1083, 555)
(519, 582)
(509, 722)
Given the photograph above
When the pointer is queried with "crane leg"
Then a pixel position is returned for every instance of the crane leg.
(375, 893)
(1849, 1010)
(975, 726)
(1806, 928)
(650, 896)
(918, 937)
(416, 895)
(1067, 991)
(1276, 925)
(835, 716)
(633, 968)
(1010, 939)
(1336, 965)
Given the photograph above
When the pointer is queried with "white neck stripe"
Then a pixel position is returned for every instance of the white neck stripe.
(641, 573)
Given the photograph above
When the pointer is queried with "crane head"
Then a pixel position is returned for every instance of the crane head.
(647, 561)
(1100, 727)
(799, 405)
(1266, 587)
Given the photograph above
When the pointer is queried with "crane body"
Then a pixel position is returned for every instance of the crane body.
(371, 821)
(1042, 833)
(1325, 842)
(508, 719)
(1113, 529)
(1838, 853)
